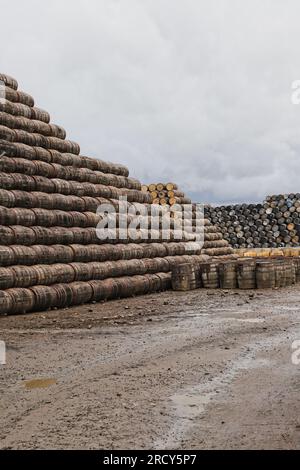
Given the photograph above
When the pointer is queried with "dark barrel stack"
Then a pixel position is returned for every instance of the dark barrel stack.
(273, 224)
(50, 252)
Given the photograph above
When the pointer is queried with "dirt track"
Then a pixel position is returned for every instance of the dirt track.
(196, 370)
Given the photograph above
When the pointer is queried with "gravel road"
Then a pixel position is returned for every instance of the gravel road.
(196, 370)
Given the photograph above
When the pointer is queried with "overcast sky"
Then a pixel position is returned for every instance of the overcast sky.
(193, 91)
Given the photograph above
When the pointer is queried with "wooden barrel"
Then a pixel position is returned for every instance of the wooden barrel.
(63, 295)
(17, 216)
(7, 181)
(43, 274)
(280, 277)
(125, 288)
(24, 182)
(246, 274)
(142, 285)
(7, 198)
(185, 277)
(265, 275)
(9, 81)
(228, 275)
(154, 284)
(18, 97)
(210, 275)
(58, 273)
(97, 291)
(290, 272)
(7, 235)
(6, 302)
(44, 169)
(26, 199)
(293, 271)
(23, 255)
(81, 271)
(82, 292)
(44, 185)
(45, 297)
(7, 256)
(296, 262)
(171, 186)
(43, 217)
(165, 281)
(7, 279)
(23, 300)
(5, 218)
(111, 289)
(24, 276)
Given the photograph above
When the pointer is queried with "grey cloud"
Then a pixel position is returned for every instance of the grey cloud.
(197, 91)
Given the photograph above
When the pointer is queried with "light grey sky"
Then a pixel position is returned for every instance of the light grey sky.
(193, 91)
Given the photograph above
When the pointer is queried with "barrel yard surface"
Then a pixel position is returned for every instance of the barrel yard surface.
(51, 255)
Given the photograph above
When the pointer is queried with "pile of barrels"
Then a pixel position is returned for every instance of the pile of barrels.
(51, 255)
(273, 224)
(247, 273)
(38, 298)
(165, 194)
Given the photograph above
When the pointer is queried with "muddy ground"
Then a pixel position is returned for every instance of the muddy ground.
(196, 370)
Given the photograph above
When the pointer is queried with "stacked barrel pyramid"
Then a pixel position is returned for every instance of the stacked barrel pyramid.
(50, 254)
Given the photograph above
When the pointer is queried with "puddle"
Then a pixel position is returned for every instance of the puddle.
(288, 308)
(196, 314)
(245, 320)
(190, 406)
(251, 320)
(39, 383)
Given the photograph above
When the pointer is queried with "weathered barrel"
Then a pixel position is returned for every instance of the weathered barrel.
(155, 284)
(9, 81)
(165, 279)
(63, 295)
(24, 276)
(82, 292)
(280, 278)
(45, 297)
(18, 97)
(26, 255)
(246, 274)
(296, 262)
(7, 256)
(228, 275)
(7, 278)
(7, 235)
(23, 300)
(7, 198)
(265, 275)
(185, 277)
(290, 272)
(210, 275)
(6, 302)
(294, 273)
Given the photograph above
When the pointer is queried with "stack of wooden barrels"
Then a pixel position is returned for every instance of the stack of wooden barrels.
(273, 224)
(236, 274)
(165, 194)
(51, 254)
